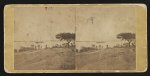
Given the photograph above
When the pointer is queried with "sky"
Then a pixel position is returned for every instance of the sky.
(92, 24)
(42, 24)
(107, 23)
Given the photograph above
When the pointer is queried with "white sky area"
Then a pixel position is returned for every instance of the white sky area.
(38, 23)
(107, 23)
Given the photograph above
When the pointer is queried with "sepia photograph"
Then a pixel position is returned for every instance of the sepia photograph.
(77, 38)
(105, 38)
(44, 38)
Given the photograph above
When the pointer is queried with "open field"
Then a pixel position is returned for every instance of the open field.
(107, 59)
(50, 59)
(64, 58)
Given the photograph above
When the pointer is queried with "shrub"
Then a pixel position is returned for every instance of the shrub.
(84, 49)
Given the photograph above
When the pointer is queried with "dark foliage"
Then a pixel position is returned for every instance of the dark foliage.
(66, 36)
(129, 37)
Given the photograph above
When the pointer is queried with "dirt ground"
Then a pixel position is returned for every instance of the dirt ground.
(66, 59)
(50, 59)
(107, 59)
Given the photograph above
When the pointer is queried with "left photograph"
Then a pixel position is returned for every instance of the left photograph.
(44, 38)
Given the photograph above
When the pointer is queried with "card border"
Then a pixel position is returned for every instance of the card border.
(141, 38)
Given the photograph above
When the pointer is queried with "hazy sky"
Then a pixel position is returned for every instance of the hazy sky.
(44, 23)
(41, 23)
(107, 23)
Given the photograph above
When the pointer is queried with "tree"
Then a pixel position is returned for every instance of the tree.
(66, 36)
(129, 37)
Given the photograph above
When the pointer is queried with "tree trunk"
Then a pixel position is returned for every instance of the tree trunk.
(68, 41)
(129, 43)
(68, 44)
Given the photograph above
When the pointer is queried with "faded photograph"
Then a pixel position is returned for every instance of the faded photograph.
(44, 38)
(105, 38)
(74, 38)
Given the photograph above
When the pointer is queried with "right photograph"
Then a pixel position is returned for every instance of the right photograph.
(105, 38)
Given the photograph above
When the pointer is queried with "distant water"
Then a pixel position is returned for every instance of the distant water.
(19, 44)
(79, 45)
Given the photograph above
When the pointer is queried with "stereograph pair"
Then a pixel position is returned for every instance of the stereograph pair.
(50, 38)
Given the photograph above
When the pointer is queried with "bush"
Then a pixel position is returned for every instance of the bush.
(25, 49)
(15, 50)
(84, 49)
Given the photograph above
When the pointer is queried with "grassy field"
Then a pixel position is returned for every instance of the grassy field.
(50, 59)
(107, 59)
